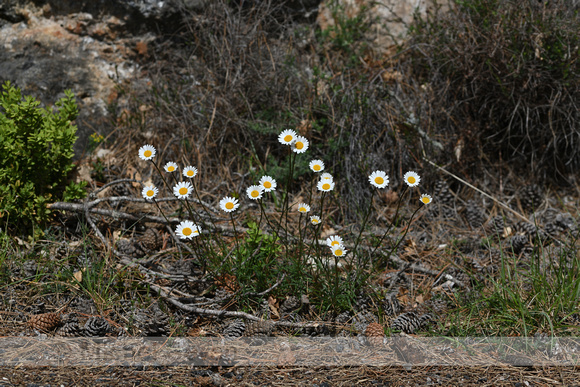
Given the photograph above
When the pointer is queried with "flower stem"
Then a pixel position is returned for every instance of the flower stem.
(364, 223)
(390, 225)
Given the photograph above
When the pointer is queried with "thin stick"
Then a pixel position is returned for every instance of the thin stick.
(478, 190)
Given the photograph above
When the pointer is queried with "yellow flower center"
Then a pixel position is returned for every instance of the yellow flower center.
(379, 180)
(229, 205)
(411, 180)
(425, 200)
(325, 186)
(267, 184)
(314, 221)
(338, 252)
(186, 231)
(288, 138)
(190, 173)
(183, 191)
(334, 243)
(299, 145)
(147, 153)
(255, 193)
(317, 167)
(302, 209)
(171, 168)
(150, 193)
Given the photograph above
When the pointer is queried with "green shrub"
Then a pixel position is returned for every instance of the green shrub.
(36, 147)
(504, 79)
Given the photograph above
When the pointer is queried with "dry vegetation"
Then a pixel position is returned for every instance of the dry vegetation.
(494, 254)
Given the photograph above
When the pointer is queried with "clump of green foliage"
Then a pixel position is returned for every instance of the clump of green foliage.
(36, 147)
(504, 78)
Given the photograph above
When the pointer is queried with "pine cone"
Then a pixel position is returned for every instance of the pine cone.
(290, 305)
(443, 193)
(259, 328)
(474, 214)
(526, 228)
(71, 327)
(125, 246)
(552, 229)
(343, 318)
(61, 252)
(150, 241)
(495, 226)
(44, 322)
(531, 197)
(426, 319)
(84, 260)
(29, 268)
(565, 221)
(488, 262)
(391, 305)
(438, 305)
(234, 329)
(518, 242)
(407, 322)
(97, 326)
(485, 263)
(152, 321)
(375, 334)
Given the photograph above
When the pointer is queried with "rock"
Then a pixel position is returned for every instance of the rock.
(390, 18)
(90, 47)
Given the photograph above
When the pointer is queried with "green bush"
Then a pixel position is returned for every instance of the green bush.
(504, 79)
(36, 147)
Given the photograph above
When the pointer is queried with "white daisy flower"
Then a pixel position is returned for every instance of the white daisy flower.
(183, 190)
(146, 152)
(255, 192)
(334, 240)
(300, 145)
(339, 251)
(303, 207)
(187, 230)
(317, 165)
(315, 219)
(325, 185)
(189, 171)
(379, 179)
(326, 176)
(287, 137)
(149, 192)
(412, 179)
(268, 183)
(426, 199)
(170, 167)
(229, 204)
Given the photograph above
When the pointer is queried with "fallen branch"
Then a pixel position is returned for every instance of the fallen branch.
(225, 313)
(119, 215)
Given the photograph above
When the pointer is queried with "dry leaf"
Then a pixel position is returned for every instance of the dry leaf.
(273, 304)
(22, 243)
(78, 275)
